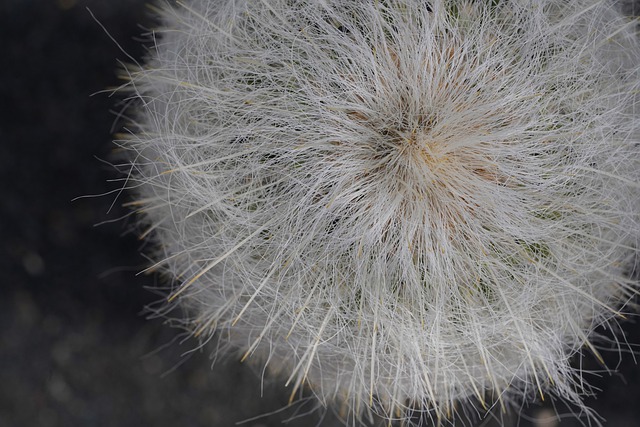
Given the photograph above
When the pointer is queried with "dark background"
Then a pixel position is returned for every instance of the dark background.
(76, 348)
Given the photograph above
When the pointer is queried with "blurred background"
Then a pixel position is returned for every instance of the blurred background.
(76, 348)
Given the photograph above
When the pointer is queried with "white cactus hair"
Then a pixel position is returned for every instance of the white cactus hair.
(398, 204)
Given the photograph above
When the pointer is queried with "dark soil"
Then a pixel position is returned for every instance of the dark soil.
(75, 346)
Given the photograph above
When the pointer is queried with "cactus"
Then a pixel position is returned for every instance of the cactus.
(402, 205)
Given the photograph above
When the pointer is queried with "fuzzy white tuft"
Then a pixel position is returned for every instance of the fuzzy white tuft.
(402, 204)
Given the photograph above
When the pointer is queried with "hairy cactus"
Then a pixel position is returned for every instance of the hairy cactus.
(399, 204)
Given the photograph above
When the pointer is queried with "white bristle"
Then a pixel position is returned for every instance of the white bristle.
(399, 204)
